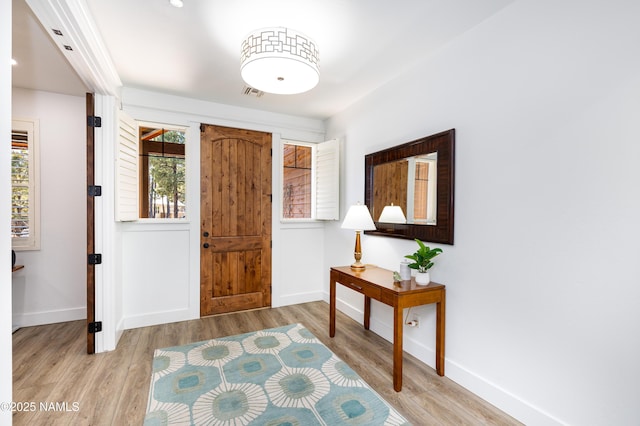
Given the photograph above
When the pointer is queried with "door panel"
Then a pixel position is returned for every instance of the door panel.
(236, 220)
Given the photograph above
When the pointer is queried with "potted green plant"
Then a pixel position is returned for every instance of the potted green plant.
(422, 261)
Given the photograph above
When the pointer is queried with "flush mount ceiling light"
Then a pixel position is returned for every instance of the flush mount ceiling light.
(279, 60)
(176, 3)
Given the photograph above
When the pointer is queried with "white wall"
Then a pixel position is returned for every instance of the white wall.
(52, 287)
(6, 367)
(156, 273)
(542, 282)
(301, 275)
(160, 260)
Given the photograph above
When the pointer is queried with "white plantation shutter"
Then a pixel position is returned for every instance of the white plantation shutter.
(127, 169)
(327, 164)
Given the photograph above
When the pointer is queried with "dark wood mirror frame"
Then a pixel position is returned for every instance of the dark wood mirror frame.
(444, 144)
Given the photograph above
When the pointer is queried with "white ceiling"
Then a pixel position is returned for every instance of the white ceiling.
(193, 51)
(41, 65)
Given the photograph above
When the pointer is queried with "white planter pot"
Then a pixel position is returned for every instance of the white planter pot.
(423, 278)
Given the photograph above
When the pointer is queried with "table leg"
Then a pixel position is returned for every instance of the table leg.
(367, 311)
(332, 307)
(440, 316)
(397, 349)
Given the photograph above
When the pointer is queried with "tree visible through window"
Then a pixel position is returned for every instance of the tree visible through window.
(162, 173)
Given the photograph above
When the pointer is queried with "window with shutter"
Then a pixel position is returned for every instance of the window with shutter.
(328, 180)
(127, 169)
(150, 171)
(162, 171)
(310, 180)
(25, 197)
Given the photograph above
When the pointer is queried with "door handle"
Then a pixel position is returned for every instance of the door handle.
(205, 234)
(205, 245)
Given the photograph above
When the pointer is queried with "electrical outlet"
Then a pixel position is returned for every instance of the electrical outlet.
(416, 320)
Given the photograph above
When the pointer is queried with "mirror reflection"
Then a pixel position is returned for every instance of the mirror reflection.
(409, 188)
(405, 191)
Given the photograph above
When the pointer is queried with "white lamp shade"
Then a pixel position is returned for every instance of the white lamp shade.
(280, 60)
(392, 214)
(359, 219)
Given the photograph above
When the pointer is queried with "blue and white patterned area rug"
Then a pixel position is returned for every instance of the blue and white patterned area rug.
(280, 376)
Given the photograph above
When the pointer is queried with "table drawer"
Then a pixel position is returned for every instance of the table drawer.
(366, 289)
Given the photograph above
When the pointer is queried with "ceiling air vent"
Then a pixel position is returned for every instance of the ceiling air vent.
(250, 91)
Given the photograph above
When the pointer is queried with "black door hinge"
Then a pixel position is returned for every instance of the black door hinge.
(201, 128)
(94, 121)
(95, 327)
(95, 259)
(94, 190)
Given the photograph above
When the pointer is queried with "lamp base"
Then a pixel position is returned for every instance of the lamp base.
(358, 266)
(357, 254)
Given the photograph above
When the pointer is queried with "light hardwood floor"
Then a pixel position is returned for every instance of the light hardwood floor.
(50, 365)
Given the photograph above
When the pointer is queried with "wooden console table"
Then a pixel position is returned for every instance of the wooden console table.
(377, 283)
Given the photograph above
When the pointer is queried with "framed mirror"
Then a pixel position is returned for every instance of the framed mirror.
(409, 189)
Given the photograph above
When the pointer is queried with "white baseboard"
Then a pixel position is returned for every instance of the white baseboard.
(119, 330)
(349, 310)
(145, 320)
(499, 397)
(295, 299)
(29, 319)
(156, 318)
(492, 393)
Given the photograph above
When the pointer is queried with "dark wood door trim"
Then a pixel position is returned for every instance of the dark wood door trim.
(91, 277)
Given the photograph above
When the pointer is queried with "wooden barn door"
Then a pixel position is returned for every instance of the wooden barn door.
(235, 238)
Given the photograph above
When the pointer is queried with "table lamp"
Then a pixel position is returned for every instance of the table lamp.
(392, 214)
(359, 219)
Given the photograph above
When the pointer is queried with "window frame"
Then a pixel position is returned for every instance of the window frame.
(32, 127)
(313, 147)
(323, 178)
(141, 153)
